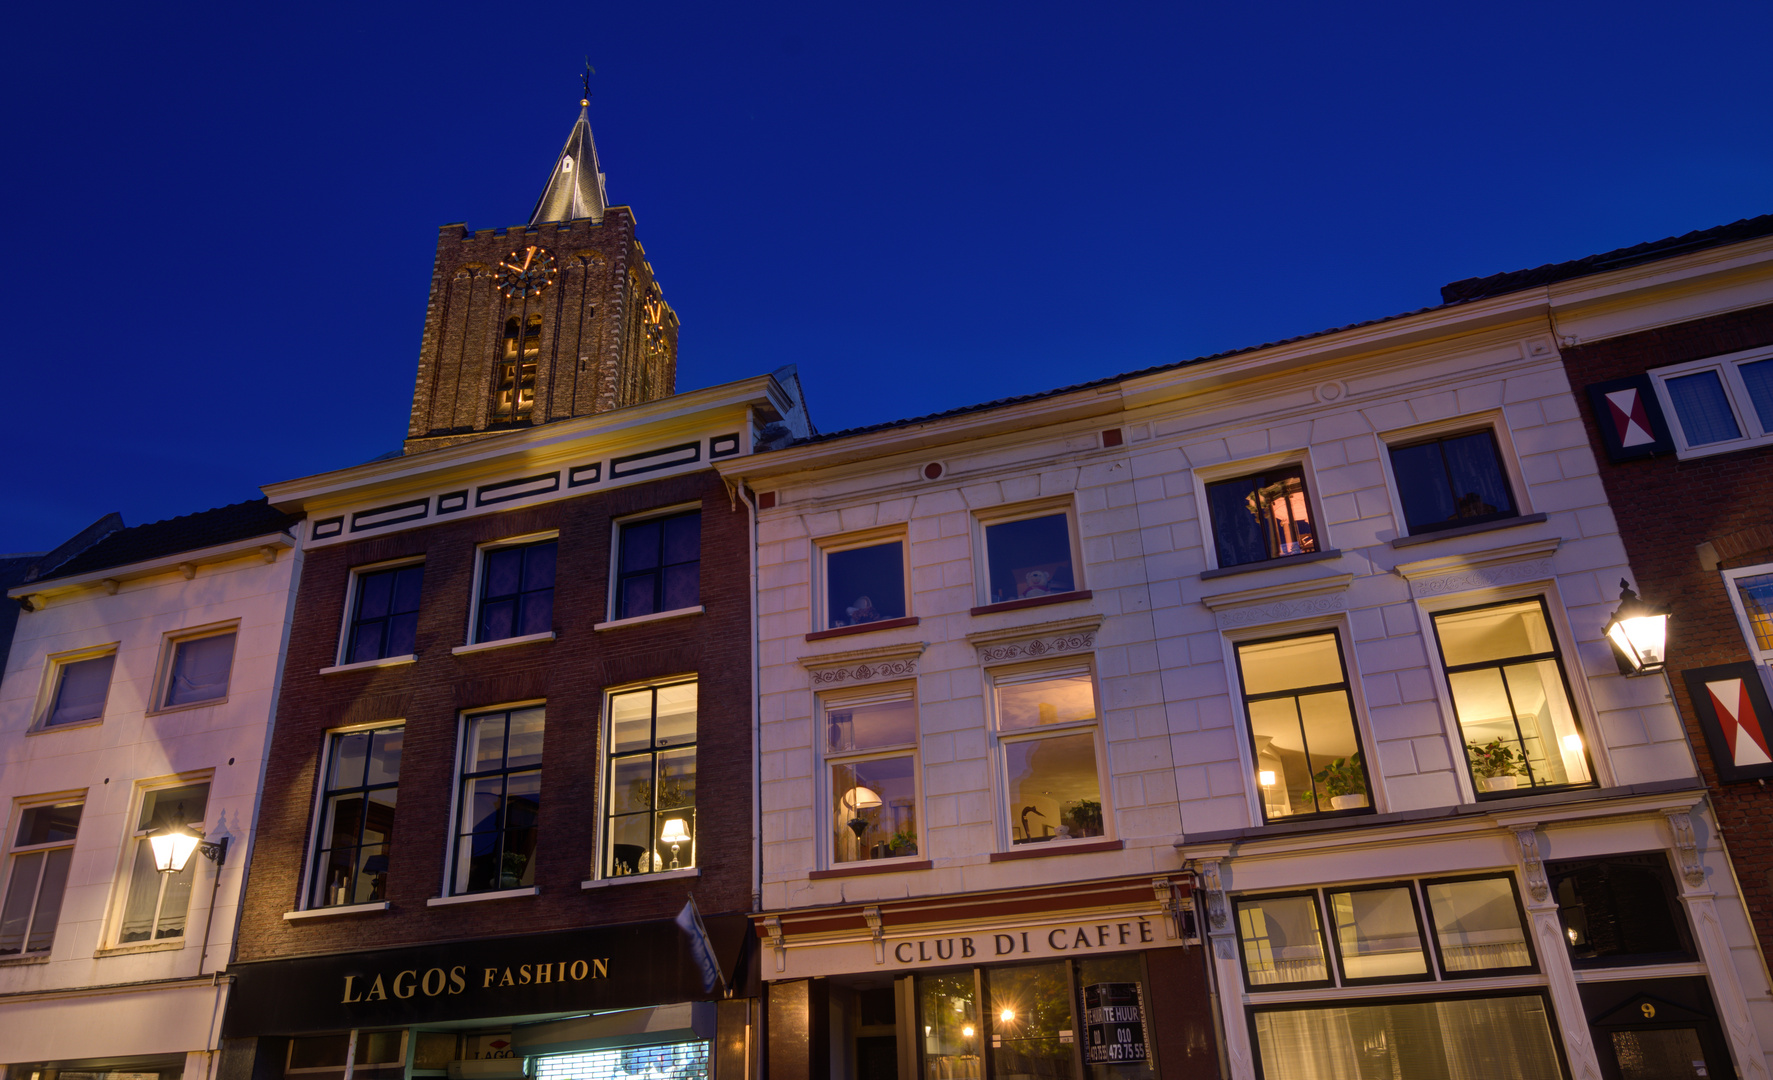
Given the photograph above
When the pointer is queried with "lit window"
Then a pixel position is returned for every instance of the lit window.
(659, 568)
(1498, 1035)
(514, 387)
(1511, 697)
(155, 904)
(1046, 729)
(1719, 403)
(1262, 516)
(500, 801)
(651, 806)
(357, 822)
(1308, 753)
(1478, 926)
(1378, 936)
(1283, 941)
(1029, 557)
(871, 755)
(1451, 481)
(385, 619)
(198, 670)
(864, 584)
(80, 688)
(1751, 594)
(516, 591)
(42, 849)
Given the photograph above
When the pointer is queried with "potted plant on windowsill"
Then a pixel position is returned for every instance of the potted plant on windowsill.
(1497, 767)
(901, 843)
(1344, 782)
(1084, 818)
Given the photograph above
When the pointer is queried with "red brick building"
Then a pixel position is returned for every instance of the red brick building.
(1670, 346)
(517, 709)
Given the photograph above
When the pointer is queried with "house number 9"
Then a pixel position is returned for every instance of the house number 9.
(1648, 1010)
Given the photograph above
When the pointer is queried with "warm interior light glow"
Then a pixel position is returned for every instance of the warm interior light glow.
(172, 846)
(676, 832)
(1572, 743)
(967, 1032)
(1571, 934)
(1267, 777)
(861, 798)
(1007, 1015)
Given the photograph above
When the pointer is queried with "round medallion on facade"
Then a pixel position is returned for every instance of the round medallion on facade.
(526, 272)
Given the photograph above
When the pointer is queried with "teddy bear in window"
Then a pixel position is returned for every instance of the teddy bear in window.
(862, 611)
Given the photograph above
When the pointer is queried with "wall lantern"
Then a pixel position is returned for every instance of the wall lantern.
(173, 845)
(1639, 632)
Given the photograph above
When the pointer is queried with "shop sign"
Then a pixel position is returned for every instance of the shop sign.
(989, 946)
(1114, 1023)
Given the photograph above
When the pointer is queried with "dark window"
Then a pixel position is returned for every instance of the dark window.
(80, 690)
(865, 584)
(42, 851)
(387, 616)
(517, 591)
(200, 669)
(1262, 516)
(1030, 557)
(1620, 910)
(660, 567)
(500, 802)
(363, 780)
(1452, 481)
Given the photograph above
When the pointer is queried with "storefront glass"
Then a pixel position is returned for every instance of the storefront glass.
(674, 1061)
(1469, 1039)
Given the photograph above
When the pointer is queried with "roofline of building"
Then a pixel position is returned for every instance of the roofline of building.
(267, 544)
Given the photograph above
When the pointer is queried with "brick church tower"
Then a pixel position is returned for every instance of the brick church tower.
(556, 319)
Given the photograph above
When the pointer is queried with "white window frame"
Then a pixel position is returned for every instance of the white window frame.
(825, 547)
(1493, 421)
(613, 608)
(870, 695)
(472, 636)
(1735, 391)
(447, 892)
(169, 648)
(605, 760)
(318, 817)
(351, 592)
(126, 862)
(53, 667)
(1011, 674)
(19, 809)
(1213, 474)
(1000, 515)
(1764, 657)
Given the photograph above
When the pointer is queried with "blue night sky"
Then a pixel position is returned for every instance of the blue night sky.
(222, 218)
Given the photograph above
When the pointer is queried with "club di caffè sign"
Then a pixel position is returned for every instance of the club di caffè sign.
(924, 947)
(568, 971)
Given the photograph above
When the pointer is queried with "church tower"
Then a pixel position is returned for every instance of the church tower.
(556, 319)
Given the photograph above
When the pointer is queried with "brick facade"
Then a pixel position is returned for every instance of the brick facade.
(1666, 508)
(569, 673)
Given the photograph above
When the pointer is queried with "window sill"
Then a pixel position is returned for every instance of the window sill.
(1269, 564)
(1033, 601)
(187, 707)
(483, 646)
(878, 866)
(637, 620)
(75, 726)
(336, 909)
(143, 947)
(846, 631)
(1467, 530)
(636, 879)
(478, 897)
(24, 961)
(365, 665)
(1056, 847)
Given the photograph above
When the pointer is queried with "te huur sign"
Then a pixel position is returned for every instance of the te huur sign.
(613, 967)
(963, 946)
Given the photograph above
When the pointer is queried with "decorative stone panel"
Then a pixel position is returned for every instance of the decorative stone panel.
(1036, 641)
(861, 666)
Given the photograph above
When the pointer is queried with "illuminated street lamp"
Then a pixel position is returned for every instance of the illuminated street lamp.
(1639, 633)
(173, 844)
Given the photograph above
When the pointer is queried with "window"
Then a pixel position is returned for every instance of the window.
(154, 905)
(1413, 1040)
(198, 670)
(871, 755)
(659, 568)
(1451, 481)
(42, 849)
(1046, 728)
(516, 591)
(385, 618)
(1261, 516)
(1511, 697)
(357, 817)
(1283, 941)
(1620, 910)
(864, 584)
(1751, 594)
(500, 801)
(652, 780)
(1720, 403)
(1478, 926)
(78, 690)
(1378, 935)
(514, 390)
(1030, 556)
(1307, 751)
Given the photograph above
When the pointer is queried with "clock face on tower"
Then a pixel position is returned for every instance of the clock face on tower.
(526, 272)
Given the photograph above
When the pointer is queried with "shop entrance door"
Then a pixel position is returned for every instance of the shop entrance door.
(1661, 1029)
(1660, 1054)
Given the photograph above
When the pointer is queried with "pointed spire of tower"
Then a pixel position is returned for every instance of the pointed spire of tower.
(575, 187)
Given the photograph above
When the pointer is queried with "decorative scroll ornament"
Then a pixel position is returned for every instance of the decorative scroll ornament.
(1527, 836)
(1680, 822)
(1038, 647)
(1281, 611)
(1485, 577)
(1306, 599)
(876, 931)
(863, 665)
(1218, 913)
(1166, 903)
(866, 672)
(773, 927)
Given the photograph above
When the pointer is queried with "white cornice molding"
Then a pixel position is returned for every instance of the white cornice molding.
(1035, 630)
(1490, 568)
(1661, 273)
(1280, 603)
(862, 666)
(267, 545)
